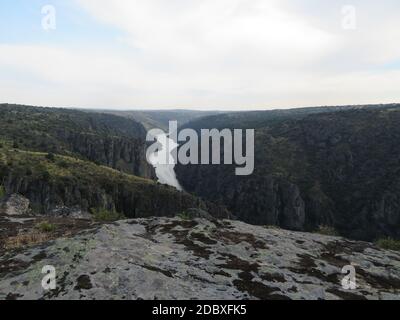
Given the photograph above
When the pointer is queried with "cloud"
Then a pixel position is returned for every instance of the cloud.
(214, 54)
(208, 31)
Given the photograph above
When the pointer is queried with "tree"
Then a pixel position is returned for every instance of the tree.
(50, 157)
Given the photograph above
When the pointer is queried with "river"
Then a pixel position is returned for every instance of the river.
(164, 163)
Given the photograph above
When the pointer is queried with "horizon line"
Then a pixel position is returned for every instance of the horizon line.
(200, 109)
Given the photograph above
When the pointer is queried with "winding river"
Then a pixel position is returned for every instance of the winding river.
(164, 163)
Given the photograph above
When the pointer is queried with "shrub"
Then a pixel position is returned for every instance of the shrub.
(103, 215)
(50, 157)
(46, 175)
(46, 227)
(63, 164)
(389, 244)
(184, 215)
(327, 231)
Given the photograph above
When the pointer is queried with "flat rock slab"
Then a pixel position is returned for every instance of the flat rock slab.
(164, 258)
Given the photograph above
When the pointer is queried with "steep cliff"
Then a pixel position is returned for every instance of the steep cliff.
(53, 183)
(337, 168)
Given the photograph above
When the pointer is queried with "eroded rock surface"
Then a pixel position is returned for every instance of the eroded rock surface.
(162, 258)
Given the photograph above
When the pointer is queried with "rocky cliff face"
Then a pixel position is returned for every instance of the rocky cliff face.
(60, 185)
(162, 258)
(78, 200)
(121, 153)
(265, 201)
(339, 169)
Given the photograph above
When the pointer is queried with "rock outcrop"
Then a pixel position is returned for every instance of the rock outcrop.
(163, 258)
(64, 186)
(15, 205)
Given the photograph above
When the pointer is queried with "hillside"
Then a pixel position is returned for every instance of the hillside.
(260, 119)
(56, 183)
(110, 140)
(335, 168)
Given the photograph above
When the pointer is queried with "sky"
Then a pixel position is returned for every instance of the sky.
(199, 54)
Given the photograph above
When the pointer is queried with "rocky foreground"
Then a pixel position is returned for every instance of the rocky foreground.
(163, 258)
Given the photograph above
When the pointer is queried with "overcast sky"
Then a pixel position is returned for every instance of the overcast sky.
(201, 54)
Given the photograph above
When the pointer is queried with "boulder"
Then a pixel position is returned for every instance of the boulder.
(15, 205)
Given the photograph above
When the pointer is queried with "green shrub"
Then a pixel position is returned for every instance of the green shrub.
(46, 175)
(46, 227)
(184, 215)
(103, 215)
(63, 164)
(389, 244)
(50, 157)
(327, 231)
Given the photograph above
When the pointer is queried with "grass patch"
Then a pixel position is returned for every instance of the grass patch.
(184, 215)
(46, 227)
(389, 244)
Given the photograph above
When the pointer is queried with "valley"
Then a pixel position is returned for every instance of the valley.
(335, 167)
(77, 193)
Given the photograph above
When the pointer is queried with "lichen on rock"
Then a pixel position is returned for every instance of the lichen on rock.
(172, 258)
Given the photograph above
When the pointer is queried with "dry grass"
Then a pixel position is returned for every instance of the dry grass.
(26, 239)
